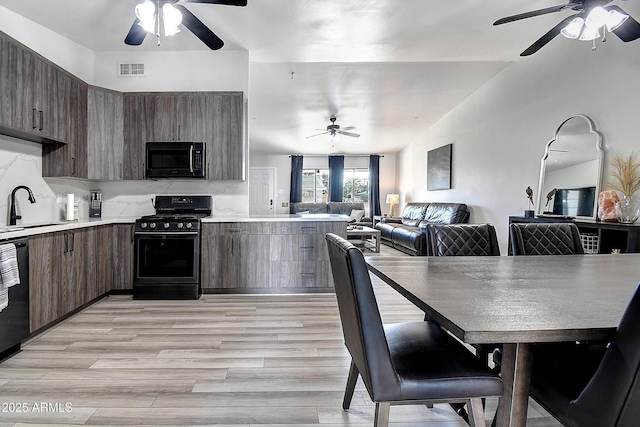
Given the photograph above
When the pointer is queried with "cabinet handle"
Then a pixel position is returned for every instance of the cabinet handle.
(41, 115)
(307, 247)
(179, 136)
(66, 243)
(73, 242)
(235, 230)
(34, 118)
(73, 166)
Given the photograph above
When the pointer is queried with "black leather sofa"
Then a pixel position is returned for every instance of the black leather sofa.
(408, 233)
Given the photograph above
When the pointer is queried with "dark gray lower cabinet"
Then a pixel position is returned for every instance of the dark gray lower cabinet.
(267, 256)
(68, 269)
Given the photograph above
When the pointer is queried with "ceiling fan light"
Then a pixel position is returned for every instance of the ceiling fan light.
(146, 13)
(615, 19)
(590, 33)
(597, 17)
(573, 28)
(171, 18)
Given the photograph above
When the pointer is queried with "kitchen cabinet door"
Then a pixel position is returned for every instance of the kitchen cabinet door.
(235, 255)
(69, 159)
(226, 144)
(122, 259)
(44, 262)
(102, 251)
(137, 114)
(105, 138)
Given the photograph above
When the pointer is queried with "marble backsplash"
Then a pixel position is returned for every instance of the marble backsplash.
(21, 164)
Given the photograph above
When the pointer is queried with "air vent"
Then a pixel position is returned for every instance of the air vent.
(131, 70)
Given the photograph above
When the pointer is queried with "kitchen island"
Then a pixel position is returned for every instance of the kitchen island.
(276, 254)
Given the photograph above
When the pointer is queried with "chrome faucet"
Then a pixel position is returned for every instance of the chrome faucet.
(13, 217)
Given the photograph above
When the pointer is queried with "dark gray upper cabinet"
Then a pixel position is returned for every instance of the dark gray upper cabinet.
(105, 140)
(39, 100)
(94, 133)
(216, 118)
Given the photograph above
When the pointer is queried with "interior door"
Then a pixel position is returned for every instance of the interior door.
(261, 197)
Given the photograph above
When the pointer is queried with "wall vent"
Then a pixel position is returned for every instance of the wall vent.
(131, 69)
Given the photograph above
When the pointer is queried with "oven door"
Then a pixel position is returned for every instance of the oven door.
(170, 258)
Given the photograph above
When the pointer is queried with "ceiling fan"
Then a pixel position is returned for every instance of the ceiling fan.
(591, 16)
(173, 13)
(333, 129)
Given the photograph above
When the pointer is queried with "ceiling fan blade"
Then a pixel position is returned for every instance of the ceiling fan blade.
(201, 31)
(136, 34)
(628, 31)
(355, 135)
(538, 12)
(318, 134)
(548, 37)
(348, 128)
(227, 2)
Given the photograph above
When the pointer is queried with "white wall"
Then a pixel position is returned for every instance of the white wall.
(499, 133)
(282, 164)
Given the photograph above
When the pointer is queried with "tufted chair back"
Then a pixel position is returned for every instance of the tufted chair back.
(463, 239)
(545, 239)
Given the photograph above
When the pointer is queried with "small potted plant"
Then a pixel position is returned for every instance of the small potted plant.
(625, 178)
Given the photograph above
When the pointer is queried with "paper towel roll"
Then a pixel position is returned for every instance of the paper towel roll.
(70, 207)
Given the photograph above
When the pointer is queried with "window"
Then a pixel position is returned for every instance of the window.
(356, 185)
(315, 185)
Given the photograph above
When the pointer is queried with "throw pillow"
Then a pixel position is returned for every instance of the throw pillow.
(357, 214)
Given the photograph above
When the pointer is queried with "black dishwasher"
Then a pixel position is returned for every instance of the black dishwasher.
(14, 319)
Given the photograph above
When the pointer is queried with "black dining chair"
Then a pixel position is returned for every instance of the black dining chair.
(592, 384)
(403, 363)
(463, 239)
(545, 239)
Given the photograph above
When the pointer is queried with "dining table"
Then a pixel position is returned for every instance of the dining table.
(516, 301)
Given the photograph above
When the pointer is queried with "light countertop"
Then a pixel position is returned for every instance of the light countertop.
(16, 231)
(280, 218)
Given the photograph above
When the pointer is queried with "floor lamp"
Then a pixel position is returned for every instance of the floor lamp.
(392, 199)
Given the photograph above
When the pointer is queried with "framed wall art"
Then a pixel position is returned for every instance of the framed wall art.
(439, 168)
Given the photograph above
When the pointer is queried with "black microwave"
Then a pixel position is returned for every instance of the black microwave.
(175, 160)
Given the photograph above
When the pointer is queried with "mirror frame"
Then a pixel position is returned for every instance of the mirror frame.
(592, 130)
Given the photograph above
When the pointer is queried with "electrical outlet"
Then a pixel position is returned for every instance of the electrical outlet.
(285, 204)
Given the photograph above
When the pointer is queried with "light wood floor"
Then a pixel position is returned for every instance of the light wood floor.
(224, 360)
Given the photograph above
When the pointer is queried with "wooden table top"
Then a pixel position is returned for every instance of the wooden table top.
(517, 299)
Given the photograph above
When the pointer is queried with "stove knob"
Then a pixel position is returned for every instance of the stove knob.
(189, 225)
(143, 225)
(152, 225)
(180, 225)
(166, 225)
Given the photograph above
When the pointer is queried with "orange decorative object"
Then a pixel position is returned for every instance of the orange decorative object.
(607, 206)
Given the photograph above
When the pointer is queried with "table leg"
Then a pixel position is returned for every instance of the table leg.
(516, 376)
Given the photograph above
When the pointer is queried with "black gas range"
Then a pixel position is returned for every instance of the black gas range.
(167, 248)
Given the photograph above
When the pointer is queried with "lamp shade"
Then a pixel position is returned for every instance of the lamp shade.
(146, 13)
(393, 199)
(172, 17)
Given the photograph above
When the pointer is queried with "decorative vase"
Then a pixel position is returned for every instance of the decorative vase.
(627, 210)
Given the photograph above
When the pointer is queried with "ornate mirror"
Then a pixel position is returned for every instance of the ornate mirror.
(571, 170)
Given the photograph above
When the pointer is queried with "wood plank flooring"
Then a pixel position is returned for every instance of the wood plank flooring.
(224, 360)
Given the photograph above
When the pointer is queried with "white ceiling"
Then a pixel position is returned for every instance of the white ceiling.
(391, 68)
